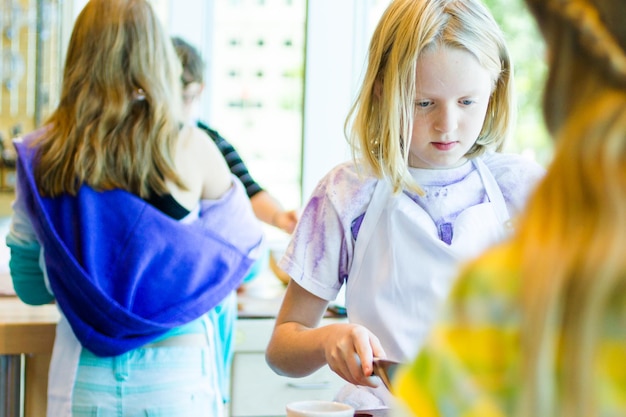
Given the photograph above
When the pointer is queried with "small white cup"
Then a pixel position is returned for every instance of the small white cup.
(319, 408)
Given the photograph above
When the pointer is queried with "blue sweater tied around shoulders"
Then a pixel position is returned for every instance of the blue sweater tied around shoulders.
(122, 272)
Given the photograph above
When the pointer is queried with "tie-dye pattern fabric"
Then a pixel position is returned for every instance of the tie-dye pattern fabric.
(472, 365)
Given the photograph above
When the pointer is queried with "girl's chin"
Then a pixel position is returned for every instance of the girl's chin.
(439, 164)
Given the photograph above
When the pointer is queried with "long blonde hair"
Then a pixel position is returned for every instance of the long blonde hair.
(380, 122)
(572, 237)
(118, 116)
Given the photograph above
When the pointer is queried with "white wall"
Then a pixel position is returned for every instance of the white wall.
(337, 39)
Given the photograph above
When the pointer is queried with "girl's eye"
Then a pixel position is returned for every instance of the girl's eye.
(422, 104)
(467, 102)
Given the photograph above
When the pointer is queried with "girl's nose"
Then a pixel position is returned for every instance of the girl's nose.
(446, 119)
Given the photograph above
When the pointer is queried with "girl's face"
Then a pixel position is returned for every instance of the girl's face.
(191, 98)
(452, 94)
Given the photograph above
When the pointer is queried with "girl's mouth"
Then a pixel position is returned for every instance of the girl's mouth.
(444, 146)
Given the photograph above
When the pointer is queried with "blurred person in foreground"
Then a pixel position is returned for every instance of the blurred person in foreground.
(537, 326)
(132, 223)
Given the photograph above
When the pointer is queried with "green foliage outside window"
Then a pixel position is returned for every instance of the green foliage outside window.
(528, 54)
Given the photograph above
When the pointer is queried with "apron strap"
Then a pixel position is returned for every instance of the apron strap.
(494, 194)
(372, 214)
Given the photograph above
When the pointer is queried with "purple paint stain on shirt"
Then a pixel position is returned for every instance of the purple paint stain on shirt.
(316, 231)
(445, 232)
(356, 225)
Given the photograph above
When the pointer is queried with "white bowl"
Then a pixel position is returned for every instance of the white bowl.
(319, 408)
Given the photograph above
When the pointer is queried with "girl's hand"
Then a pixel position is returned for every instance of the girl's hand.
(285, 220)
(350, 350)
(299, 346)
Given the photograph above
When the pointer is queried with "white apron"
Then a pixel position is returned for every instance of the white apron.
(401, 270)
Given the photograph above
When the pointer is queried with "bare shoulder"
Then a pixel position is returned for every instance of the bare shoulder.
(202, 147)
(202, 165)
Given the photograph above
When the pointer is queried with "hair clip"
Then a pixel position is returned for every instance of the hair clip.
(139, 94)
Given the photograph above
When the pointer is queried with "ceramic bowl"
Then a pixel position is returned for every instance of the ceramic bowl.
(319, 408)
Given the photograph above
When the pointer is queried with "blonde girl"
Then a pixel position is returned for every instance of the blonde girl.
(426, 191)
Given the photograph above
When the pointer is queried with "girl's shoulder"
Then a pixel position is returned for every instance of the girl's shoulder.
(350, 172)
(503, 164)
(347, 182)
(344, 193)
(516, 175)
(194, 141)
(513, 170)
(200, 164)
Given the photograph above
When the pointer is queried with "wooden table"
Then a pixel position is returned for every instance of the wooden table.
(26, 339)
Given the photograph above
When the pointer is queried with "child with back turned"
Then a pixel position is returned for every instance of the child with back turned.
(132, 223)
(427, 191)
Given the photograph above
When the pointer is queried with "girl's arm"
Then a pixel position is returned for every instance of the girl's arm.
(26, 272)
(269, 210)
(298, 347)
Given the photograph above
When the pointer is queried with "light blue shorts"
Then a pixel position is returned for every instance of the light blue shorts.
(174, 381)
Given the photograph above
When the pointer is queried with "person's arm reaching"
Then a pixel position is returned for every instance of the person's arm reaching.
(298, 347)
(268, 210)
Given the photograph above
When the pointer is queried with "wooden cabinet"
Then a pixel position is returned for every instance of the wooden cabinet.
(26, 339)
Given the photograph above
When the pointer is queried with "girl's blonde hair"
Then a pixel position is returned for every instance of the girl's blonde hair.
(118, 116)
(380, 122)
(572, 237)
